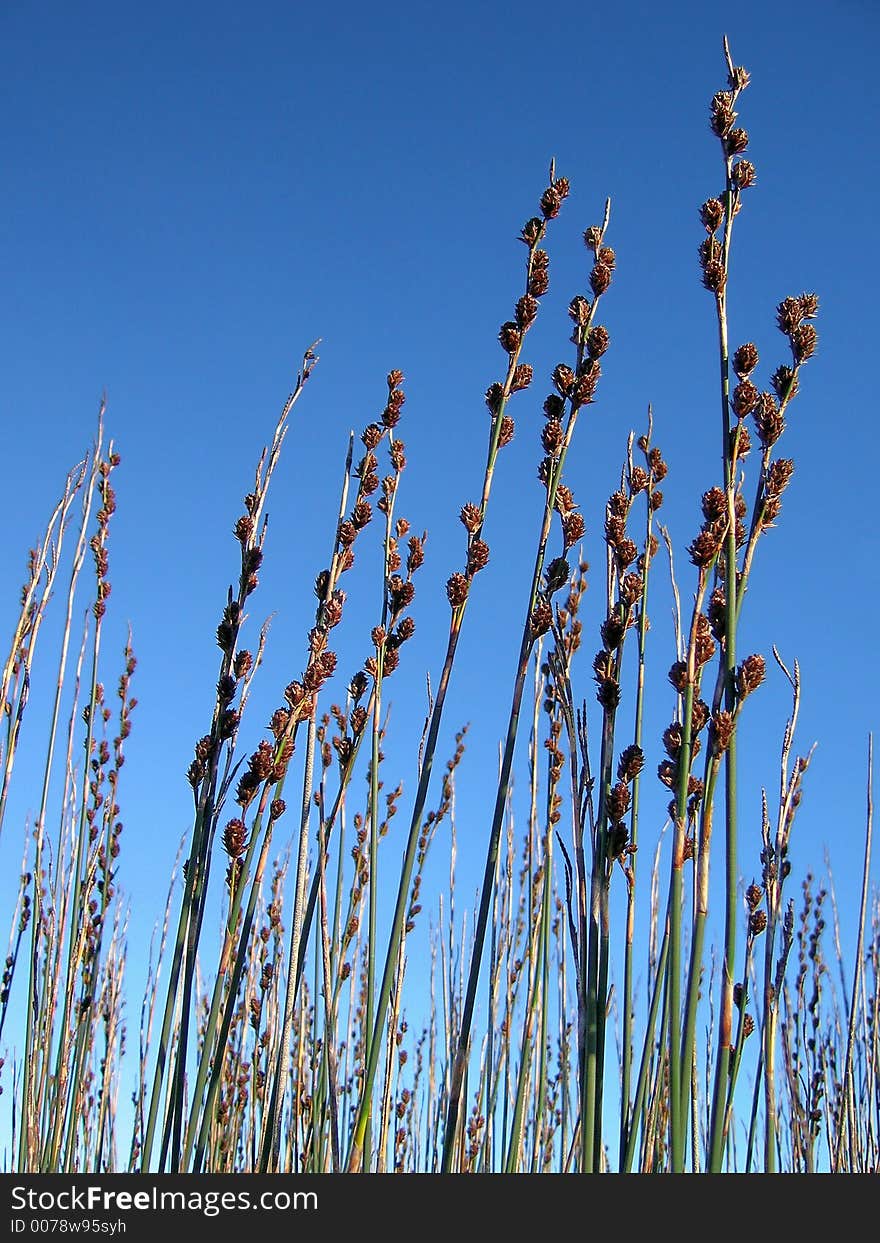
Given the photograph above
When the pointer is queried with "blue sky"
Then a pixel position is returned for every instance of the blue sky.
(197, 192)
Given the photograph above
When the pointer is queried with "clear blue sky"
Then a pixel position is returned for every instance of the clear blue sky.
(195, 192)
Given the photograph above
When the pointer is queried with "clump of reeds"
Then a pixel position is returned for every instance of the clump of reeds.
(301, 1038)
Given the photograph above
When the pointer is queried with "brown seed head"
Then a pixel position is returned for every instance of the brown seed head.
(745, 360)
(678, 675)
(789, 314)
(457, 590)
(510, 337)
(779, 476)
(495, 398)
(785, 382)
(532, 230)
(526, 311)
(505, 432)
(618, 801)
(593, 238)
(563, 379)
(745, 398)
(600, 278)
(541, 619)
(769, 423)
(736, 142)
(704, 549)
(714, 276)
(478, 556)
(750, 675)
(551, 201)
(631, 763)
(579, 309)
(522, 377)
(712, 214)
(721, 731)
(573, 528)
(539, 282)
(470, 516)
(721, 114)
(585, 385)
(803, 343)
(234, 838)
(597, 341)
(757, 922)
(743, 174)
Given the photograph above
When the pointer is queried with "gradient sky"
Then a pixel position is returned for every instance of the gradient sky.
(196, 192)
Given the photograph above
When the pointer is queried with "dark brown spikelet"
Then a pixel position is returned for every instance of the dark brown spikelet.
(539, 281)
(745, 360)
(757, 922)
(743, 174)
(563, 378)
(638, 480)
(750, 675)
(631, 589)
(754, 893)
(593, 238)
(573, 528)
(699, 716)
(721, 114)
(618, 801)
(278, 722)
(457, 590)
(506, 430)
(526, 311)
(785, 382)
(678, 675)
(471, 517)
(372, 435)
(600, 278)
(769, 422)
(721, 731)
(714, 276)
(234, 838)
(416, 556)
(612, 630)
(704, 549)
(597, 341)
(531, 231)
(704, 645)
(478, 556)
(712, 214)
(585, 386)
(541, 619)
(495, 398)
(631, 763)
(740, 442)
(714, 505)
(241, 666)
(736, 142)
(779, 476)
(277, 808)
(556, 575)
(510, 337)
(667, 771)
(659, 468)
(789, 314)
(579, 310)
(551, 201)
(672, 737)
(745, 398)
(803, 343)
(522, 377)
